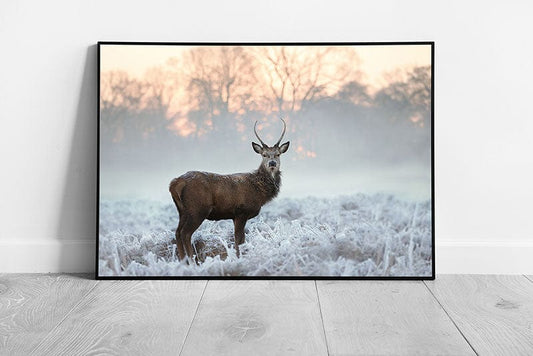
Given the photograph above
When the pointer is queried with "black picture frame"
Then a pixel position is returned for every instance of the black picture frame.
(208, 277)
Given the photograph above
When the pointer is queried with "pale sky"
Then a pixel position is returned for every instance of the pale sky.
(376, 60)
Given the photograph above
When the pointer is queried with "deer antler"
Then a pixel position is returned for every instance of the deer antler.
(282, 134)
(256, 135)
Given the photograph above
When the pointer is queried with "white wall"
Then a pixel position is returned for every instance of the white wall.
(483, 128)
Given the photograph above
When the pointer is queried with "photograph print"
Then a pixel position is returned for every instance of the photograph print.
(265, 160)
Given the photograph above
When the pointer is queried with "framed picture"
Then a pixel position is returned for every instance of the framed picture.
(266, 160)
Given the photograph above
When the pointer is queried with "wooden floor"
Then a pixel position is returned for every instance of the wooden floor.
(453, 315)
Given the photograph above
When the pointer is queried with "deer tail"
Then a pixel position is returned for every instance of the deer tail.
(176, 189)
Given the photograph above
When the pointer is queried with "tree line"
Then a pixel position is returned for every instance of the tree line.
(219, 92)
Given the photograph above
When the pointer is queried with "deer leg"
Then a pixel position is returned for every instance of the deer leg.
(179, 239)
(189, 227)
(239, 224)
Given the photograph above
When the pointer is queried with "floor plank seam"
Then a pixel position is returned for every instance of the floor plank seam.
(65, 317)
(322, 318)
(527, 277)
(193, 318)
(453, 321)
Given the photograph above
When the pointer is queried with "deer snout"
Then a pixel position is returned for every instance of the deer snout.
(272, 164)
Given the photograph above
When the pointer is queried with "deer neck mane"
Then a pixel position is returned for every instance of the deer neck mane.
(266, 183)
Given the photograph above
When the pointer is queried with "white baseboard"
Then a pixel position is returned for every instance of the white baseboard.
(78, 256)
(47, 256)
(484, 257)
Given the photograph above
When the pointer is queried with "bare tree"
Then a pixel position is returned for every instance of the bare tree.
(297, 77)
(160, 89)
(120, 91)
(121, 98)
(220, 82)
(354, 93)
(408, 96)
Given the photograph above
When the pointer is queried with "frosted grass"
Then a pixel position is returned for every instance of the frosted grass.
(358, 235)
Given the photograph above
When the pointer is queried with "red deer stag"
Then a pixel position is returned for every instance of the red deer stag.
(201, 195)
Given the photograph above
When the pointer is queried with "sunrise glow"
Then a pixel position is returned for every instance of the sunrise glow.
(267, 79)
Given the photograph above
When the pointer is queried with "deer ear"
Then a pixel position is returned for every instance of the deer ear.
(257, 148)
(283, 148)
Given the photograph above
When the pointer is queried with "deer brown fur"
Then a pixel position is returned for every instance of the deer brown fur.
(202, 195)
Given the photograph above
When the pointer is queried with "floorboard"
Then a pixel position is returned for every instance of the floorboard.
(257, 318)
(495, 313)
(127, 317)
(31, 305)
(386, 318)
(455, 314)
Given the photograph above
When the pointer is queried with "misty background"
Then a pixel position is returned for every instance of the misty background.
(197, 112)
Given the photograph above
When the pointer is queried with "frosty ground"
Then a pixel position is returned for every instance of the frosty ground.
(357, 235)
